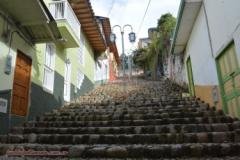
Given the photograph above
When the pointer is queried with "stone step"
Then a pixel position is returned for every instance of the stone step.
(141, 98)
(135, 105)
(171, 128)
(163, 138)
(189, 151)
(131, 106)
(171, 112)
(138, 109)
(66, 158)
(196, 120)
(122, 116)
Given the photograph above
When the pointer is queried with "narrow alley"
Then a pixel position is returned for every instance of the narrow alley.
(120, 79)
(136, 119)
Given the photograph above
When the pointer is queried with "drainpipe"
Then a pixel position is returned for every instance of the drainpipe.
(214, 92)
(208, 28)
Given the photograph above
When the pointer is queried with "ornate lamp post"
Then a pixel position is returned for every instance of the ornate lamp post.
(131, 36)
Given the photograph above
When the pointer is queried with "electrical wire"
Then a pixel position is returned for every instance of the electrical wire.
(149, 1)
(145, 13)
(110, 10)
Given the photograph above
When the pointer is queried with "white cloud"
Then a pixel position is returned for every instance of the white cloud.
(131, 12)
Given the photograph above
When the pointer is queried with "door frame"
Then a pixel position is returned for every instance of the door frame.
(190, 77)
(29, 89)
(220, 80)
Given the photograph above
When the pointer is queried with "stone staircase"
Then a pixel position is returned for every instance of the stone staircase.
(138, 120)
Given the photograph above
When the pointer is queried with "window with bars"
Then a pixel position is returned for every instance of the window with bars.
(49, 64)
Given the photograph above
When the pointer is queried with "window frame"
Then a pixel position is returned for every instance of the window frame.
(51, 50)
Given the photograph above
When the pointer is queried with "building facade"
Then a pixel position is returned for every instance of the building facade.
(48, 55)
(107, 64)
(205, 52)
(144, 42)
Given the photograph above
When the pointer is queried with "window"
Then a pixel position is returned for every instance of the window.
(48, 75)
(67, 81)
(57, 10)
(80, 78)
(81, 50)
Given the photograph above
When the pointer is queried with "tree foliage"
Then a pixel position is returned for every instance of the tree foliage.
(152, 57)
(140, 57)
(165, 26)
(166, 23)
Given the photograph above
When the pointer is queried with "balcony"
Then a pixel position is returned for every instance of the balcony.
(67, 22)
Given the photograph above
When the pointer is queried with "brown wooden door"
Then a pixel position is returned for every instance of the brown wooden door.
(21, 84)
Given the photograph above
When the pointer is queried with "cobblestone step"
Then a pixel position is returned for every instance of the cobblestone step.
(62, 158)
(125, 108)
(68, 111)
(162, 104)
(145, 120)
(105, 117)
(162, 138)
(164, 121)
(166, 113)
(136, 151)
(171, 128)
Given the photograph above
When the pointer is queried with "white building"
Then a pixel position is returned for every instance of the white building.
(205, 52)
(144, 42)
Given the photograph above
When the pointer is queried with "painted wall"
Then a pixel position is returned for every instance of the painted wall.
(55, 99)
(17, 43)
(198, 48)
(224, 22)
(101, 71)
(42, 101)
(203, 61)
(222, 18)
(87, 68)
(49, 100)
(6, 81)
(112, 67)
(177, 70)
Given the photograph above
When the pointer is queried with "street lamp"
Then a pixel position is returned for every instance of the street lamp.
(131, 36)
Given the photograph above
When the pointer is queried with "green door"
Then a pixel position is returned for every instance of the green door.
(229, 78)
(190, 77)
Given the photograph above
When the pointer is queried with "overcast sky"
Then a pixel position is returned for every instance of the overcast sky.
(131, 12)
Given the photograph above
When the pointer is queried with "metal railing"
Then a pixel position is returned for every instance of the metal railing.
(61, 10)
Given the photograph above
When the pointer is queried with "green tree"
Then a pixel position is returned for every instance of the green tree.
(152, 57)
(161, 41)
(165, 26)
(140, 58)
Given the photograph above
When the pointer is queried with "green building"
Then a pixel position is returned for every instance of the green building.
(48, 52)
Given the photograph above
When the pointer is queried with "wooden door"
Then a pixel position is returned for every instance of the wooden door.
(190, 77)
(229, 72)
(21, 83)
